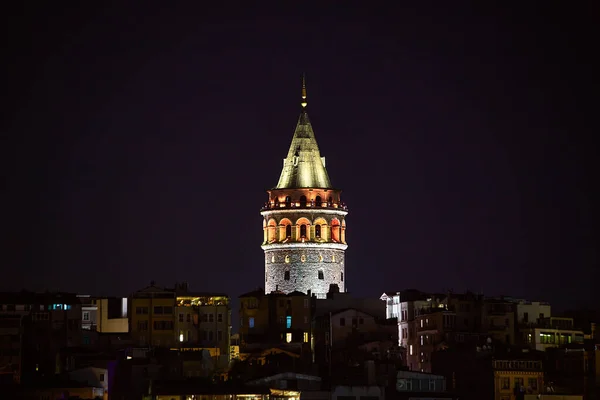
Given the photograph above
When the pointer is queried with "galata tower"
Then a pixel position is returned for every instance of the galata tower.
(304, 220)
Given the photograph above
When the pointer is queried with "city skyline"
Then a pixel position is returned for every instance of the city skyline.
(138, 156)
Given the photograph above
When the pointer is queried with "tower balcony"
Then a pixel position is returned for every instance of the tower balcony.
(270, 206)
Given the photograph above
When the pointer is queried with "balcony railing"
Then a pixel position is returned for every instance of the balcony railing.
(299, 205)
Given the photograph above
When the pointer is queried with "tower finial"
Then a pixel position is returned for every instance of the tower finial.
(303, 103)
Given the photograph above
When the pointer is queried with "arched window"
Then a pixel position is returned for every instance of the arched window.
(286, 275)
(303, 231)
(288, 201)
(321, 274)
(342, 276)
(288, 231)
(318, 201)
(318, 231)
(276, 201)
(330, 202)
(302, 201)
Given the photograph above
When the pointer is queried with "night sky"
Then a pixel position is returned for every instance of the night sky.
(137, 144)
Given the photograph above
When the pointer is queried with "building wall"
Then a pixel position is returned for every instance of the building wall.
(148, 327)
(544, 338)
(111, 325)
(275, 318)
(353, 321)
(530, 312)
(508, 373)
(306, 265)
(94, 377)
(429, 330)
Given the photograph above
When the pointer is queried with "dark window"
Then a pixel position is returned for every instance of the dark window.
(318, 231)
(330, 201)
(286, 275)
(342, 276)
(303, 230)
(288, 201)
(188, 317)
(101, 377)
(321, 274)
(318, 201)
(158, 310)
(288, 231)
(302, 201)
(342, 321)
(219, 317)
(181, 317)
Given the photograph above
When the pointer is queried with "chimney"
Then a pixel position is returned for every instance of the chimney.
(333, 288)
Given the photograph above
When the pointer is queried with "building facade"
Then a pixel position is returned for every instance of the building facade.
(106, 315)
(273, 319)
(34, 328)
(180, 319)
(304, 221)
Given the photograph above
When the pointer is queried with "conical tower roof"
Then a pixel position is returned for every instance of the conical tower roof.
(304, 167)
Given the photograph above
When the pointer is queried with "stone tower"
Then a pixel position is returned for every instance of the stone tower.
(304, 221)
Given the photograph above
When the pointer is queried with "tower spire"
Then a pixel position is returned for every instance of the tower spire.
(303, 103)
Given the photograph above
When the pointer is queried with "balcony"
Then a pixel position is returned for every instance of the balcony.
(301, 205)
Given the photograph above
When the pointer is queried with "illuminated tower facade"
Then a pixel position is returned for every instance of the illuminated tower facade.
(304, 221)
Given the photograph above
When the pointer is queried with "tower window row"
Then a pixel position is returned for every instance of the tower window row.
(287, 259)
(303, 202)
(304, 231)
(320, 275)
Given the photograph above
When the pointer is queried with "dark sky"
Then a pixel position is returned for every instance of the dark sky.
(138, 142)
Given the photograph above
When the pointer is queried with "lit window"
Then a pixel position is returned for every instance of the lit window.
(410, 349)
(287, 259)
(303, 258)
(251, 322)
(305, 337)
(181, 337)
(288, 321)
(288, 337)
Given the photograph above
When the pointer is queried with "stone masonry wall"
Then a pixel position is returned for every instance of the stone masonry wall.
(304, 265)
